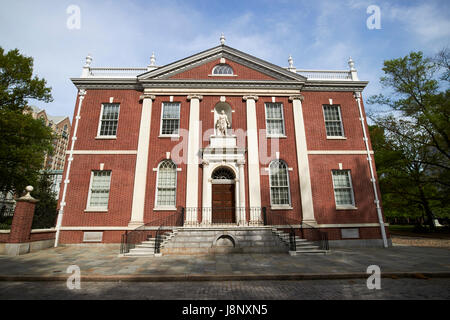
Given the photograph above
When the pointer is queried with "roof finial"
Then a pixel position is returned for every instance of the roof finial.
(152, 60)
(222, 39)
(291, 62)
(351, 64)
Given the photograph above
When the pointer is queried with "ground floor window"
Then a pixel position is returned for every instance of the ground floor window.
(343, 190)
(99, 191)
(166, 184)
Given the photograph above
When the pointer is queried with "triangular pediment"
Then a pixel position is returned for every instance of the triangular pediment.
(198, 67)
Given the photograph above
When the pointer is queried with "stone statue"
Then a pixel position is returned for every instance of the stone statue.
(222, 124)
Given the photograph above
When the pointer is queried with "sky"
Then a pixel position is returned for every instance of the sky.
(319, 34)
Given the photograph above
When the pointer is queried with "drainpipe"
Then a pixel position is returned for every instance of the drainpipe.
(81, 93)
(372, 176)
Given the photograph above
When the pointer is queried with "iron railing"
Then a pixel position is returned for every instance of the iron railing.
(284, 223)
(312, 233)
(143, 233)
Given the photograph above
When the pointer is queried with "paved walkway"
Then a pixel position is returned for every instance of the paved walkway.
(100, 263)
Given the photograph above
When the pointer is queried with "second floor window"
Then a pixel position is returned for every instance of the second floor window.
(274, 119)
(279, 183)
(333, 121)
(109, 120)
(170, 122)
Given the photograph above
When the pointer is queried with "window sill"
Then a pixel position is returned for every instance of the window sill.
(96, 210)
(164, 209)
(106, 137)
(336, 138)
(276, 136)
(169, 136)
(286, 207)
(346, 208)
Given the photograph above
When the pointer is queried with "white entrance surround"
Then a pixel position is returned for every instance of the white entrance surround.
(223, 152)
(302, 160)
(254, 186)
(140, 175)
(192, 159)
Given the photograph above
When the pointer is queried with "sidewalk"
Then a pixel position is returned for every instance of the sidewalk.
(104, 264)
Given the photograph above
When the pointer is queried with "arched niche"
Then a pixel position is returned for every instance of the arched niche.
(228, 111)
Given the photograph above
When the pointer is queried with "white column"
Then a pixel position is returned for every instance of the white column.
(302, 160)
(140, 175)
(193, 159)
(242, 216)
(206, 194)
(253, 161)
(236, 200)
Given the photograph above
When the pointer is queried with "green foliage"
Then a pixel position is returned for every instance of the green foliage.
(45, 211)
(411, 140)
(17, 84)
(23, 140)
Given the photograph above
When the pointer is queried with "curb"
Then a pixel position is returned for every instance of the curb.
(225, 277)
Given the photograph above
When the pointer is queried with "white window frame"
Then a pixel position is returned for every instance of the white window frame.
(280, 206)
(97, 209)
(341, 121)
(161, 135)
(346, 206)
(222, 75)
(165, 208)
(100, 124)
(276, 135)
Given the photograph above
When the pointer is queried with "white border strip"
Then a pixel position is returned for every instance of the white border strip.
(103, 152)
(339, 152)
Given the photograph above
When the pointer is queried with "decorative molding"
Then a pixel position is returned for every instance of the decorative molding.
(195, 96)
(103, 152)
(147, 96)
(297, 97)
(250, 97)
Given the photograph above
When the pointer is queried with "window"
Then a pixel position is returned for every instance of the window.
(109, 120)
(170, 118)
(333, 121)
(222, 69)
(274, 119)
(343, 190)
(99, 191)
(279, 184)
(166, 184)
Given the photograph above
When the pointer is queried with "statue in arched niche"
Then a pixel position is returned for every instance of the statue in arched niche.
(222, 124)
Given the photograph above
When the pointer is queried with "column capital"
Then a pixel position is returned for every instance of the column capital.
(357, 95)
(205, 162)
(147, 96)
(82, 93)
(250, 97)
(240, 163)
(195, 96)
(296, 97)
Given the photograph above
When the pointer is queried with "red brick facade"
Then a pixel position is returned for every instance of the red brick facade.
(324, 155)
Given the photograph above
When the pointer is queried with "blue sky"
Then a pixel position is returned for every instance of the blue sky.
(318, 34)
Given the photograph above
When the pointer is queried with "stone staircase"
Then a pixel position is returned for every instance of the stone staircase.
(303, 246)
(212, 240)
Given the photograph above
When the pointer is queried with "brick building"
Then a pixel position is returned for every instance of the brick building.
(232, 140)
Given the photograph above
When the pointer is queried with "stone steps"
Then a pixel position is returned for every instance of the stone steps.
(302, 246)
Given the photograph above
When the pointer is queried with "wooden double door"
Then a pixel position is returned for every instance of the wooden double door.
(223, 203)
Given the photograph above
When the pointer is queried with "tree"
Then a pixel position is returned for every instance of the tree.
(45, 211)
(412, 135)
(23, 140)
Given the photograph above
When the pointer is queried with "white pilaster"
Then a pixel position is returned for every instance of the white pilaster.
(302, 160)
(206, 194)
(242, 218)
(253, 160)
(193, 159)
(140, 175)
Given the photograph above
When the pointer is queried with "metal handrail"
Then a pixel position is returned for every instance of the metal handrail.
(317, 235)
(275, 219)
(130, 238)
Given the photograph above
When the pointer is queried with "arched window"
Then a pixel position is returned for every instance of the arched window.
(279, 183)
(166, 184)
(222, 174)
(222, 69)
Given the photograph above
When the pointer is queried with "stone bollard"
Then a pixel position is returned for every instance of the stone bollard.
(19, 235)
